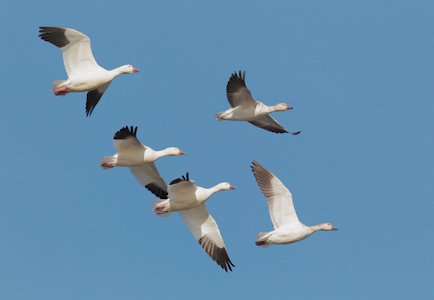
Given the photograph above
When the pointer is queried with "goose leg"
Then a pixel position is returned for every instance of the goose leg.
(61, 91)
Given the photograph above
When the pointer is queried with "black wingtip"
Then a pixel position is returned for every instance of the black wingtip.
(240, 75)
(254, 166)
(219, 255)
(92, 99)
(235, 81)
(271, 128)
(280, 131)
(185, 177)
(229, 264)
(89, 112)
(157, 191)
(125, 132)
(296, 132)
(53, 35)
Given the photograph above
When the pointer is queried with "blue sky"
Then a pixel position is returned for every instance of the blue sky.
(360, 76)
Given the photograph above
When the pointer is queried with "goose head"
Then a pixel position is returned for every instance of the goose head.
(225, 186)
(282, 107)
(174, 151)
(128, 69)
(327, 226)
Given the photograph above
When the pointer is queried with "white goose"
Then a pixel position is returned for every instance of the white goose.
(245, 108)
(189, 200)
(140, 159)
(287, 227)
(84, 74)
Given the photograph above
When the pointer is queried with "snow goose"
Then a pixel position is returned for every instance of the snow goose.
(140, 159)
(84, 74)
(189, 200)
(287, 227)
(245, 108)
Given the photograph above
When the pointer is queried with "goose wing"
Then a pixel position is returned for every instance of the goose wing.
(125, 139)
(76, 49)
(207, 233)
(268, 123)
(237, 91)
(182, 192)
(279, 198)
(150, 178)
(93, 97)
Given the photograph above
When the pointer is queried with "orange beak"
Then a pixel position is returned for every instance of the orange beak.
(135, 70)
(181, 152)
(334, 228)
(231, 187)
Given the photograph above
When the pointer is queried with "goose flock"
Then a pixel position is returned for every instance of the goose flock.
(182, 195)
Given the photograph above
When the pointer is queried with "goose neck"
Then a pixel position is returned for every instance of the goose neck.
(162, 153)
(116, 72)
(216, 188)
(316, 227)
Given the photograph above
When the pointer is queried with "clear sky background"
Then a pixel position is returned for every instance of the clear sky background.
(360, 75)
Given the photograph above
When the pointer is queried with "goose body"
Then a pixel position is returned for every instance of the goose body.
(185, 194)
(245, 108)
(284, 235)
(84, 73)
(189, 200)
(248, 112)
(287, 227)
(140, 159)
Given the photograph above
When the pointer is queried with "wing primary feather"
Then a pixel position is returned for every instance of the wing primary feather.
(279, 198)
(268, 123)
(180, 179)
(92, 100)
(125, 132)
(54, 35)
(263, 177)
(219, 255)
(157, 191)
(235, 81)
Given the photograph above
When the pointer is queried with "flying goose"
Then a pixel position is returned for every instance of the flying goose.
(140, 159)
(245, 108)
(84, 73)
(287, 227)
(189, 199)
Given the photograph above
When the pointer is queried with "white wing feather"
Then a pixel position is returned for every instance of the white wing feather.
(77, 55)
(279, 198)
(201, 223)
(182, 195)
(129, 144)
(148, 173)
(207, 233)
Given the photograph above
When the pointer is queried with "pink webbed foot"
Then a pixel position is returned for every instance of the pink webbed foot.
(107, 165)
(161, 210)
(61, 91)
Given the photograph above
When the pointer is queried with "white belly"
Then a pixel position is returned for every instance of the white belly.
(287, 237)
(88, 82)
(240, 113)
